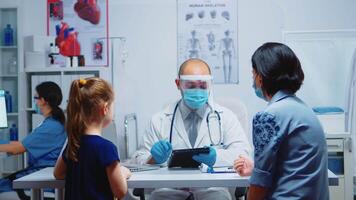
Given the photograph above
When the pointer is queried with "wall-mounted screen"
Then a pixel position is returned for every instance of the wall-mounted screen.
(3, 116)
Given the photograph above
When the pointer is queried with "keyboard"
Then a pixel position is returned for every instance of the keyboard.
(140, 168)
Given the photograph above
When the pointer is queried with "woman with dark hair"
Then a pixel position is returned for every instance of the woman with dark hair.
(45, 142)
(290, 157)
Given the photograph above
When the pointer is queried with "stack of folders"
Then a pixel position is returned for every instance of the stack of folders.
(332, 118)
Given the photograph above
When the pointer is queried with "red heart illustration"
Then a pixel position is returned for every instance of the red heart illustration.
(79, 5)
(70, 46)
(88, 10)
(60, 36)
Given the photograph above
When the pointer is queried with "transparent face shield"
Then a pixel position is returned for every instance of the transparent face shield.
(213, 120)
(195, 82)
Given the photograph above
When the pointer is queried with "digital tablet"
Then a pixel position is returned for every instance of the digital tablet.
(183, 158)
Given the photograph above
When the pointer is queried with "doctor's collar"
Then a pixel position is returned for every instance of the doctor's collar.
(185, 110)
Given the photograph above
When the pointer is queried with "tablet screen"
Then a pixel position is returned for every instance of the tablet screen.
(182, 158)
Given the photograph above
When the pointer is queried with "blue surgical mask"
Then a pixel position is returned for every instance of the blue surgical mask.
(37, 109)
(195, 98)
(258, 91)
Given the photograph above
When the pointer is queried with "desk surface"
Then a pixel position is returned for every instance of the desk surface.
(152, 179)
(185, 178)
(147, 179)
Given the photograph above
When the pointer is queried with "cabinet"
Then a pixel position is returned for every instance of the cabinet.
(62, 76)
(340, 162)
(9, 81)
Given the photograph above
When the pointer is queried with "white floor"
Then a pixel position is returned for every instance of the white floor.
(9, 196)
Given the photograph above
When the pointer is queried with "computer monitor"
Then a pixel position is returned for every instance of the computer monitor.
(3, 115)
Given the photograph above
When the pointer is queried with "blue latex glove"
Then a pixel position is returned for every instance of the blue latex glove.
(208, 159)
(161, 151)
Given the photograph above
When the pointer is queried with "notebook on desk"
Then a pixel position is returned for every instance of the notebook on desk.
(139, 167)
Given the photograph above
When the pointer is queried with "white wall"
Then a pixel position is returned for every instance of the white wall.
(150, 29)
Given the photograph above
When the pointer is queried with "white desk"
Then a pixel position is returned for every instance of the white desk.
(184, 178)
(148, 179)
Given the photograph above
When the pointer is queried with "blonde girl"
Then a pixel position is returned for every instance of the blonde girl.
(90, 164)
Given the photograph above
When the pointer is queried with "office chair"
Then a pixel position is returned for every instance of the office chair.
(139, 192)
(240, 110)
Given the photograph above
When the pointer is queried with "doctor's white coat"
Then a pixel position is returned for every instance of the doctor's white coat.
(234, 138)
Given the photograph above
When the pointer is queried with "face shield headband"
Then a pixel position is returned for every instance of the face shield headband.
(195, 90)
(195, 82)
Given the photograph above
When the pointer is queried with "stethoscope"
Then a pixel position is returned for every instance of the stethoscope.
(211, 114)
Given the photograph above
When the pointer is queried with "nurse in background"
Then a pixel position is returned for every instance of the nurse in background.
(290, 157)
(45, 142)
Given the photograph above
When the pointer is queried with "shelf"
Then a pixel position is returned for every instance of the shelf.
(8, 76)
(11, 80)
(8, 47)
(337, 135)
(63, 69)
(7, 172)
(12, 114)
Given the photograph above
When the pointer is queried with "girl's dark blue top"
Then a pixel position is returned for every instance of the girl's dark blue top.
(87, 178)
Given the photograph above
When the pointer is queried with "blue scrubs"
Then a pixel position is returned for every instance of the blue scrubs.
(43, 145)
(290, 150)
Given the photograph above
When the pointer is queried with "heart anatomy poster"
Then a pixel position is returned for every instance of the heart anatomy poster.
(80, 28)
(207, 29)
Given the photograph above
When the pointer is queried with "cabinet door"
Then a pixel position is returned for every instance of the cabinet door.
(335, 145)
(337, 192)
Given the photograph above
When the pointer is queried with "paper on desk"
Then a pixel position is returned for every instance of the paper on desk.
(219, 169)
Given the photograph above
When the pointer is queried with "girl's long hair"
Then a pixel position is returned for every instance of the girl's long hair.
(86, 98)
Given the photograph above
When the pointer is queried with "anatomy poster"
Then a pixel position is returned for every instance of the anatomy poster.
(80, 28)
(207, 29)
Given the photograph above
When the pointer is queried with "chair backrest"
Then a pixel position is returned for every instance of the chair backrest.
(238, 108)
(110, 133)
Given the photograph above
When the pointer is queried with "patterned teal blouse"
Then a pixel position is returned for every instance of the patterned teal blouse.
(290, 150)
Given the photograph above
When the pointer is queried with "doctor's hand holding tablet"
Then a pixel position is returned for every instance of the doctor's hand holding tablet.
(161, 151)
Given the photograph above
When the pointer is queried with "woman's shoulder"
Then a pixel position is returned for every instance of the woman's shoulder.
(288, 113)
(51, 125)
(278, 112)
(52, 121)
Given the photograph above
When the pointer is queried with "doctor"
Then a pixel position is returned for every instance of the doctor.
(194, 122)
